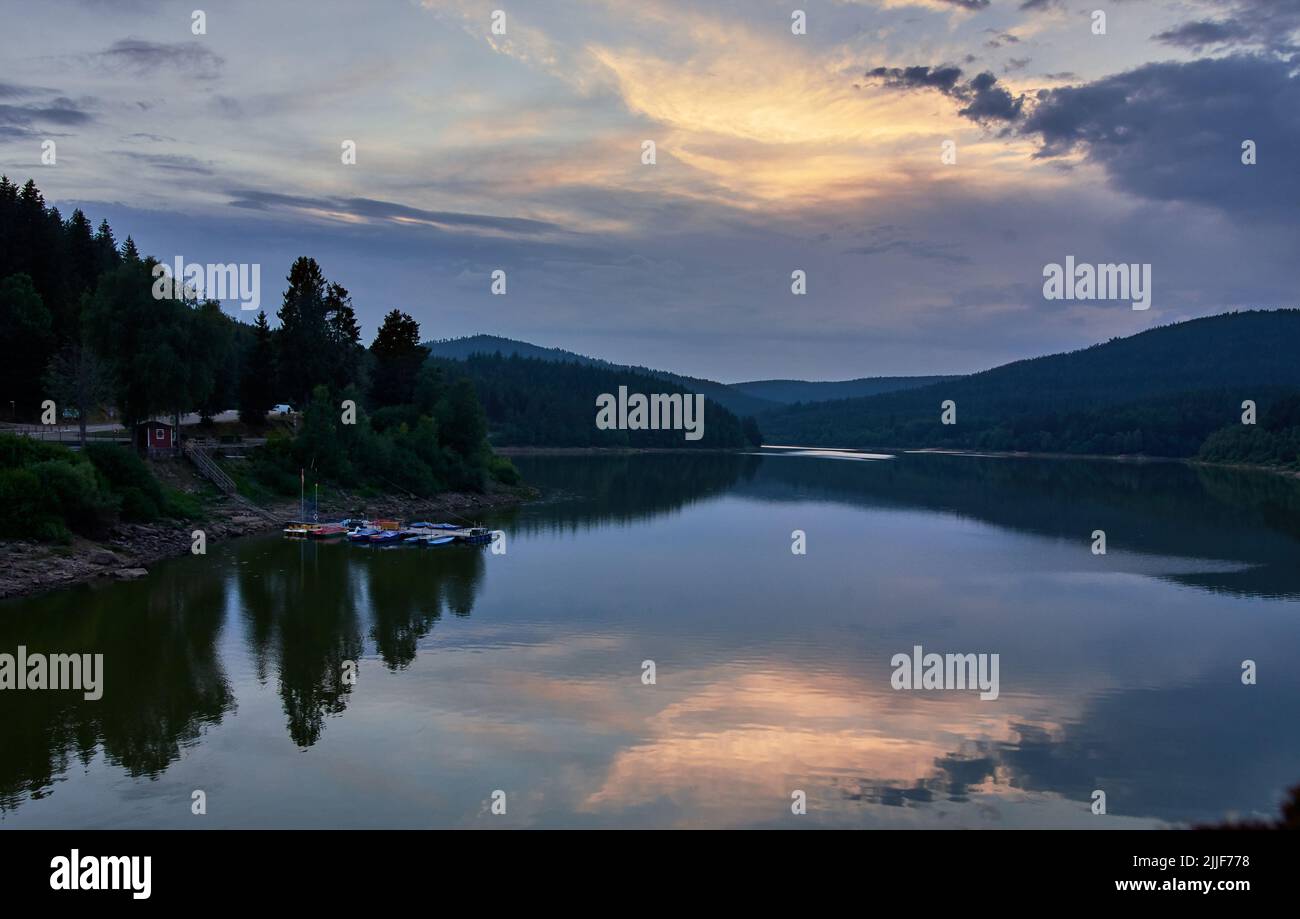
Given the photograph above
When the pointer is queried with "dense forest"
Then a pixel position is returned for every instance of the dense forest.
(86, 329)
(1163, 392)
(535, 402)
(728, 396)
(1273, 441)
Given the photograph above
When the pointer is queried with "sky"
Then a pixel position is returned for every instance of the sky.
(774, 152)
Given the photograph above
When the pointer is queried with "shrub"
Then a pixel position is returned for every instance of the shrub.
(141, 493)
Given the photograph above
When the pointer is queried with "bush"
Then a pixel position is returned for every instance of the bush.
(22, 511)
(504, 471)
(142, 494)
(48, 492)
(73, 492)
(49, 499)
(17, 452)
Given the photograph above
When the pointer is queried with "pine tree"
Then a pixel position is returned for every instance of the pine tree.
(345, 338)
(29, 340)
(106, 257)
(398, 357)
(256, 384)
(304, 344)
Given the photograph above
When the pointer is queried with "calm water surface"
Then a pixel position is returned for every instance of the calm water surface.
(523, 671)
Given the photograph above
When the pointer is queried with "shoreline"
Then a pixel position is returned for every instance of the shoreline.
(126, 553)
(941, 451)
(610, 451)
(1111, 457)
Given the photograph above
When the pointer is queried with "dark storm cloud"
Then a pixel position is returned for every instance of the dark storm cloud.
(983, 99)
(968, 4)
(1269, 24)
(140, 57)
(388, 210)
(1035, 5)
(1173, 131)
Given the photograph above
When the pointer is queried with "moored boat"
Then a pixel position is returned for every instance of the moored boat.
(440, 539)
(474, 536)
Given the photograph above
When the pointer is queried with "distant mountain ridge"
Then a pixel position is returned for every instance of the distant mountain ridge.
(788, 391)
(744, 399)
(1160, 392)
(460, 349)
(531, 401)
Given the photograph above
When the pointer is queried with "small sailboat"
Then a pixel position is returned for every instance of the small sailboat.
(297, 529)
(326, 531)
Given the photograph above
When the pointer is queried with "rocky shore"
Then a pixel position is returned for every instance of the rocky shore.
(129, 549)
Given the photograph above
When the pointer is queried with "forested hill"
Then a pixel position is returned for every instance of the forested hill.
(460, 348)
(788, 391)
(1161, 392)
(535, 402)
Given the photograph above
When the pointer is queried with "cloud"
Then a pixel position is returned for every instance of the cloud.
(170, 162)
(922, 250)
(369, 208)
(1173, 131)
(1267, 24)
(17, 90)
(888, 239)
(19, 121)
(139, 57)
(1000, 38)
(984, 100)
(1199, 34)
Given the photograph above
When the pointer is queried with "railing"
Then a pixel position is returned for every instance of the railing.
(67, 434)
(217, 476)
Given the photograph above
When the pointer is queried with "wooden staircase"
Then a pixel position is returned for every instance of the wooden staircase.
(209, 469)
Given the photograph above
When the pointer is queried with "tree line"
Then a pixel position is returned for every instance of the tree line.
(530, 401)
(88, 331)
(1163, 392)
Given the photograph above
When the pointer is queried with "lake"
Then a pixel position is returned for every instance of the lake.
(529, 672)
